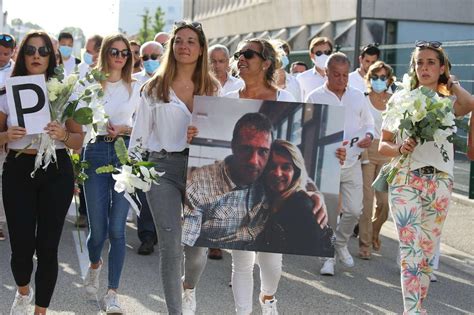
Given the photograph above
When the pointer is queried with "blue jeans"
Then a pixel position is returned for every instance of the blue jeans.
(166, 205)
(106, 210)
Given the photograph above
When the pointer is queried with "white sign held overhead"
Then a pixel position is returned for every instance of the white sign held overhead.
(28, 103)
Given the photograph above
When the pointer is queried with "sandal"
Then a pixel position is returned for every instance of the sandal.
(364, 254)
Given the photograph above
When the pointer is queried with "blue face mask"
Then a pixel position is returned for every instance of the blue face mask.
(284, 61)
(88, 58)
(151, 65)
(378, 86)
(65, 51)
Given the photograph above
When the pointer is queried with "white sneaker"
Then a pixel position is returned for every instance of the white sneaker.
(269, 307)
(189, 301)
(344, 256)
(91, 282)
(111, 303)
(328, 267)
(21, 303)
(433, 278)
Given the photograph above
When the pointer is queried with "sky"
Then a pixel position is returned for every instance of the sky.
(92, 16)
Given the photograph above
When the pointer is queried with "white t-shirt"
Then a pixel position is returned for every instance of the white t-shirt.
(357, 81)
(120, 104)
(232, 84)
(83, 69)
(282, 96)
(293, 86)
(69, 65)
(357, 115)
(161, 125)
(6, 72)
(377, 115)
(309, 81)
(141, 77)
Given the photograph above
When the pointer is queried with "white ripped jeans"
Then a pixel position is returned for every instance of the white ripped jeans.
(242, 277)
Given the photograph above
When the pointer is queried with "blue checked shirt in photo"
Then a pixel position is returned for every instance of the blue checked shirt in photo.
(218, 213)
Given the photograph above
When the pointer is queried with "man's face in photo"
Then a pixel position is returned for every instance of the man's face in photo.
(251, 151)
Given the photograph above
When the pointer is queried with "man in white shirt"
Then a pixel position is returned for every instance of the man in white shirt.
(319, 50)
(368, 56)
(219, 61)
(66, 43)
(358, 124)
(7, 49)
(150, 53)
(90, 55)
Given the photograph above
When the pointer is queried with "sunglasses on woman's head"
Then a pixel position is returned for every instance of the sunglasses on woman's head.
(195, 25)
(424, 43)
(31, 50)
(114, 52)
(151, 56)
(376, 77)
(248, 54)
(6, 38)
(320, 52)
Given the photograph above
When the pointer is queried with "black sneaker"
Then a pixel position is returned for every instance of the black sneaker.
(146, 248)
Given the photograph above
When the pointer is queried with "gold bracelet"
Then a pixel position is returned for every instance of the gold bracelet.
(66, 137)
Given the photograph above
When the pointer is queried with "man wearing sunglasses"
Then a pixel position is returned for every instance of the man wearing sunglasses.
(320, 49)
(368, 56)
(7, 49)
(150, 54)
(66, 43)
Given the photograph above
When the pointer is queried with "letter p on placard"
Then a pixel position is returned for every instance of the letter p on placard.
(28, 103)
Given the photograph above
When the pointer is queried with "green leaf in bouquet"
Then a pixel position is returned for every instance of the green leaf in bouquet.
(405, 124)
(121, 151)
(95, 127)
(106, 169)
(147, 164)
(100, 93)
(69, 110)
(83, 116)
(87, 92)
(87, 99)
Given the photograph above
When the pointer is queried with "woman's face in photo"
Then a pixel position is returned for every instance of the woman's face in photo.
(186, 47)
(34, 61)
(117, 55)
(280, 172)
(428, 67)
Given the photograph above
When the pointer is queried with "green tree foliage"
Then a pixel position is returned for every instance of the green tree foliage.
(151, 24)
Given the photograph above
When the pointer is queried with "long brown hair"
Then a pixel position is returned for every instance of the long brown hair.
(102, 64)
(443, 60)
(159, 85)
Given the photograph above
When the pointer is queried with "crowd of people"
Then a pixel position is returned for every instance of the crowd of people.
(148, 95)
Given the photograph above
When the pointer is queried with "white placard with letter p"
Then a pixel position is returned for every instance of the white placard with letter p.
(28, 103)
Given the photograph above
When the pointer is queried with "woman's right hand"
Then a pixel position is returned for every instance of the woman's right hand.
(15, 133)
(192, 132)
(408, 146)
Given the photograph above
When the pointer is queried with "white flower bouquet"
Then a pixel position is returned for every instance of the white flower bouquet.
(422, 115)
(133, 174)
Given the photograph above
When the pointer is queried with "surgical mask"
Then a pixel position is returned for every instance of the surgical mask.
(88, 58)
(320, 61)
(65, 51)
(378, 86)
(284, 61)
(151, 65)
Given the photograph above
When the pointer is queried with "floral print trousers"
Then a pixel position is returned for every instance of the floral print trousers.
(419, 205)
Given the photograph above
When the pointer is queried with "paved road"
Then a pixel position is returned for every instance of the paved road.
(370, 287)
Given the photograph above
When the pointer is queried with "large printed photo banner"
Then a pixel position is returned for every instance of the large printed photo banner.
(247, 188)
(28, 103)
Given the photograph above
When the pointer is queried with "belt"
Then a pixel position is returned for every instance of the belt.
(426, 170)
(163, 152)
(109, 138)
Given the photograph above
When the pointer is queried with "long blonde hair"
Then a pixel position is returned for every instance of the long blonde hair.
(159, 85)
(102, 64)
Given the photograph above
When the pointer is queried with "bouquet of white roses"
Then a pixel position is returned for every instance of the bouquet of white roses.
(133, 174)
(64, 95)
(424, 116)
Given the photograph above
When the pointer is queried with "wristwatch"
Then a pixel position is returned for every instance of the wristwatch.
(371, 136)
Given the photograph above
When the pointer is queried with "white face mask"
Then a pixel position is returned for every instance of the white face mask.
(320, 61)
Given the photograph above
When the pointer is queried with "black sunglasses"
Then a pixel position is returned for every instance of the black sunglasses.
(424, 43)
(376, 77)
(196, 25)
(31, 50)
(320, 52)
(114, 52)
(151, 56)
(248, 54)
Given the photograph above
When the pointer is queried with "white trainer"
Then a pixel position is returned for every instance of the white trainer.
(111, 303)
(269, 307)
(189, 301)
(328, 267)
(91, 282)
(433, 278)
(344, 257)
(21, 303)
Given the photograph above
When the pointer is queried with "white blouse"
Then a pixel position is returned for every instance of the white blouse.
(377, 115)
(161, 125)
